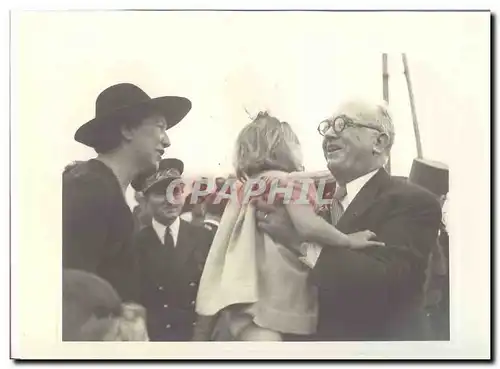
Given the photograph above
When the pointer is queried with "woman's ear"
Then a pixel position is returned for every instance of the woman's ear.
(127, 132)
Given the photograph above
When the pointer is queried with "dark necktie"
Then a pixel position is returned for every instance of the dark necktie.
(337, 209)
(169, 239)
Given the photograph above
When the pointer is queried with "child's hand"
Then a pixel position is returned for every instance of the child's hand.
(363, 239)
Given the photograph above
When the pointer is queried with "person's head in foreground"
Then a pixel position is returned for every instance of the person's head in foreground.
(357, 139)
(90, 307)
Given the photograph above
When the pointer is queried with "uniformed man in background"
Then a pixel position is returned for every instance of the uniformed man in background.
(171, 254)
(434, 176)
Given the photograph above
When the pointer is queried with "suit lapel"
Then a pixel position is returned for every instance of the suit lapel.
(363, 200)
(186, 242)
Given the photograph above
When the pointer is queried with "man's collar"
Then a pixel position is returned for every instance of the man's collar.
(354, 186)
(160, 229)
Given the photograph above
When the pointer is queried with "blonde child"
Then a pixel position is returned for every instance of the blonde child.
(131, 325)
(260, 287)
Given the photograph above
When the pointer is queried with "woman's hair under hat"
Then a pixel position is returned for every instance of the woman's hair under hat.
(111, 135)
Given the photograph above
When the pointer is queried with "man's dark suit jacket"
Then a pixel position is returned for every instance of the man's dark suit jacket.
(376, 293)
(169, 280)
(98, 226)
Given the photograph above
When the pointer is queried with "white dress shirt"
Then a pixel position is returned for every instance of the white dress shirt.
(212, 220)
(188, 217)
(160, 230)
(353, 188)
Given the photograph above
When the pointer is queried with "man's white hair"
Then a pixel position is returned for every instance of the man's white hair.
(374, 113)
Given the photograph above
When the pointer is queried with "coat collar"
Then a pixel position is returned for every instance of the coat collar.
(364, 199)
(355, 186)
(160, 230)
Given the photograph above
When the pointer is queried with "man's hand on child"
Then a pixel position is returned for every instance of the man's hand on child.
(275, 221)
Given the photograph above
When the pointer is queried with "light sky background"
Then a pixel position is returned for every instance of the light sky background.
(297, 65)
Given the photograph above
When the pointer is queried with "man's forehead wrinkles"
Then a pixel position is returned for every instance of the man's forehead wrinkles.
(358, 109)
(364, 116)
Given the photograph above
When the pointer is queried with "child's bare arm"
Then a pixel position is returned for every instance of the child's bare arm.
(312, 228)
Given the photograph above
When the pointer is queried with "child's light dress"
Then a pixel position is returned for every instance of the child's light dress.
(246, 272)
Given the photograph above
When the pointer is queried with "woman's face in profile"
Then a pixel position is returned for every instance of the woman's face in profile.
(149, 140)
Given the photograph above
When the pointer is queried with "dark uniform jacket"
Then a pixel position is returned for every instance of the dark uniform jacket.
(376, 293)
(169, 280)
(98, 226)
(438, 289)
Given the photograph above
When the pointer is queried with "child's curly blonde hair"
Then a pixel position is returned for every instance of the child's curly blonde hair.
(266, 144)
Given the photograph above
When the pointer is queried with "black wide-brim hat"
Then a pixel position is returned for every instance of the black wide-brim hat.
(126, 99)
(168, 170)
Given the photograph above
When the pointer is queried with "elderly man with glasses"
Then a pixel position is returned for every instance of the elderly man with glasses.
(375, 293)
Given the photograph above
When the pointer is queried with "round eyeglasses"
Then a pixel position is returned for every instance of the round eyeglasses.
(340, 123)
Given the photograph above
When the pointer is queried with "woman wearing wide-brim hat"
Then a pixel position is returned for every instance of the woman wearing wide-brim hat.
(129, 135)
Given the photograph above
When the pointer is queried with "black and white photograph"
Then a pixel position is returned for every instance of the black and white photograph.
(312, 183)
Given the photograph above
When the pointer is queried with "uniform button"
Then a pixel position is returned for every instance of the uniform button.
(194, 324)
(192, 284)
(165, 306)
(168, 326)
(160, 288)
(192, 302)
